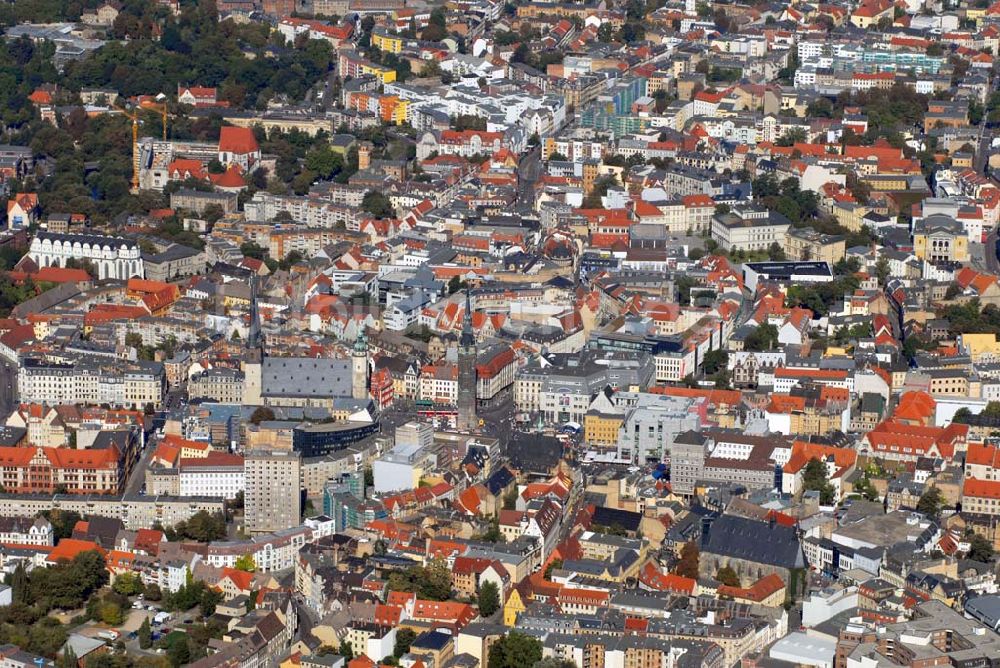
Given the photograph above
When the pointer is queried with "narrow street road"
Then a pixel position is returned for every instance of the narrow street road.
(990, 253)
(8, 388)
(982, 148)
(137, 478)
(529, 170)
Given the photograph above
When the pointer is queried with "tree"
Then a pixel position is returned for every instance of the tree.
(145, 634)
(261, 414)
(213, 213)
(775, 252)
(377, 205)
(436, 583)
(68, 659)
(882, 270)
(510, 499)
(489, 599)
(323, 161)
(866, 489)
(493, 534)
(245, 563)
(551, 661)
(19, 583)
(980, 549)
(208, 599)
(684, 285)
(68, 584)
(992, 409)
(515, 650)
(763, 337)
(688, 565)
(253, 250)
(721, 379)
(128, 584)
(431, 582)
(593, 200)
(153, 592)
(346, 650)
(290, 260)
(203, 527)
(728, 576)
(613, 529)
(792, 136)
(715, 360)
(110, 613)
(62, 521)
(178, 650)
(814, 478)
(404, 638)
(820, 108)
(930, 502)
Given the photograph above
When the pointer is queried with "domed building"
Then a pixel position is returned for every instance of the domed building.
(559, 246)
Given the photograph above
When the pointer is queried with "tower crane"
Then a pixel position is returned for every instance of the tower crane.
(135, 145)
(133, 115)
(161, 107)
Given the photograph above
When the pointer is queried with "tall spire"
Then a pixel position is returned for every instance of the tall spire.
(467, 338)
(253, 340)
(467, 372)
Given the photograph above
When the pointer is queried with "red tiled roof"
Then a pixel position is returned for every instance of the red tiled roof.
(982, 489)
(243, 580)
(231, 178)
(803, 452)
(60, 275)
(758, 591)
(237, 140)
(69, 548)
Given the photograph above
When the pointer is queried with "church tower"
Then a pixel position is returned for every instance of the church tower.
(359, 367)
(467, 372)
(253, 358)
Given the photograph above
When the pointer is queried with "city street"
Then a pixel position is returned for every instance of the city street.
(137, 478)
(528, 172)
(990, 253)
(498, 420)
(8, 387)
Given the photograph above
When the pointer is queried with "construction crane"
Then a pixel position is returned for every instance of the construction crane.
(135, 145)
(162, 108)
(133, 115)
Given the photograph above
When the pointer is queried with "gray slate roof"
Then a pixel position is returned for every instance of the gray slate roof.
(306, 377)
(750, 540)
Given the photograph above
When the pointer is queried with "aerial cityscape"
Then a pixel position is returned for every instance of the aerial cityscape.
(499, 334)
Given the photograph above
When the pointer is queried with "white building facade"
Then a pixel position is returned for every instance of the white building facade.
(111, 257)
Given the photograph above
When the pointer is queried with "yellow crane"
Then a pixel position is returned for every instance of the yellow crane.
(135, 145)
(133, 115)
(162, 108)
